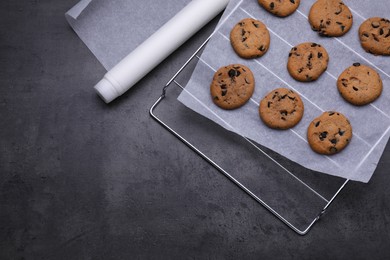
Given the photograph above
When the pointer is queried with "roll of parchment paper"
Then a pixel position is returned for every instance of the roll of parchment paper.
(157, 47)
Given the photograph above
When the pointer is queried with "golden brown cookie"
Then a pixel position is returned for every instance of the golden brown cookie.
(329, 133)
(374, 34)
(281, 8)
(307, 61)
(359, 84)
(250, 38)
(232, 86)
(281, 108)
(330, 17)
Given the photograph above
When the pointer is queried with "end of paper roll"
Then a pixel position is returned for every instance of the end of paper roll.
(106, 90)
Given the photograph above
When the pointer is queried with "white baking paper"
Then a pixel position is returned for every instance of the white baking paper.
(371, 123)
(111, 29)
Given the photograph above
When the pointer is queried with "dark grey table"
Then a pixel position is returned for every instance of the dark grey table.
(80, 179)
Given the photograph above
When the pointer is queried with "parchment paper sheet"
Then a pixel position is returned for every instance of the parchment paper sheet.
(111, 29)
(371, 123)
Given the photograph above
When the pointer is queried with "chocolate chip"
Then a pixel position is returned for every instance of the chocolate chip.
(323, 135)
(319, 55)
(300, 70)
(366, 35)
(381, 31)
(269, 104)
(255, 24)
(290, 54)
(223, 92)
(375, 37)
(262, 48)
(341, 26)
(341, 133)
(234, 73)
(314, 44)
(356, 64)
(333, 150)
(283, 112)
(292, 1)
(333, 141)
(355, 88)
(272, 5)
(331, 113)
(317, 124)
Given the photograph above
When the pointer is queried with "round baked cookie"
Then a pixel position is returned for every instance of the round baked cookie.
(281, 108)
(307, 61)
(281, 8)
(359, 84)
(329, 133)
(250, 38)
(232, 86)
(330, 17)
(374, 34)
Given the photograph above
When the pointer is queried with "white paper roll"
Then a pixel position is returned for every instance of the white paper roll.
(157, 47)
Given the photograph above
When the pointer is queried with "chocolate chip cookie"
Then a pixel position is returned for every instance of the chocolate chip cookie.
(307, 61)
(250, 38)
(329, 133)
(232, 86)
(281, 108)
(374, 34)
(281, 8)
(359, 84)
(330, 17)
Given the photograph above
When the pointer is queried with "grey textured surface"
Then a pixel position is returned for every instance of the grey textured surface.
(83, 180)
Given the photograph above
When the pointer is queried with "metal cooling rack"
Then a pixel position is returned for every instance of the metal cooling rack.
(287, 183)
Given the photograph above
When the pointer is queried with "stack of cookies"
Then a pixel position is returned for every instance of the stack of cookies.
(282, 108)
